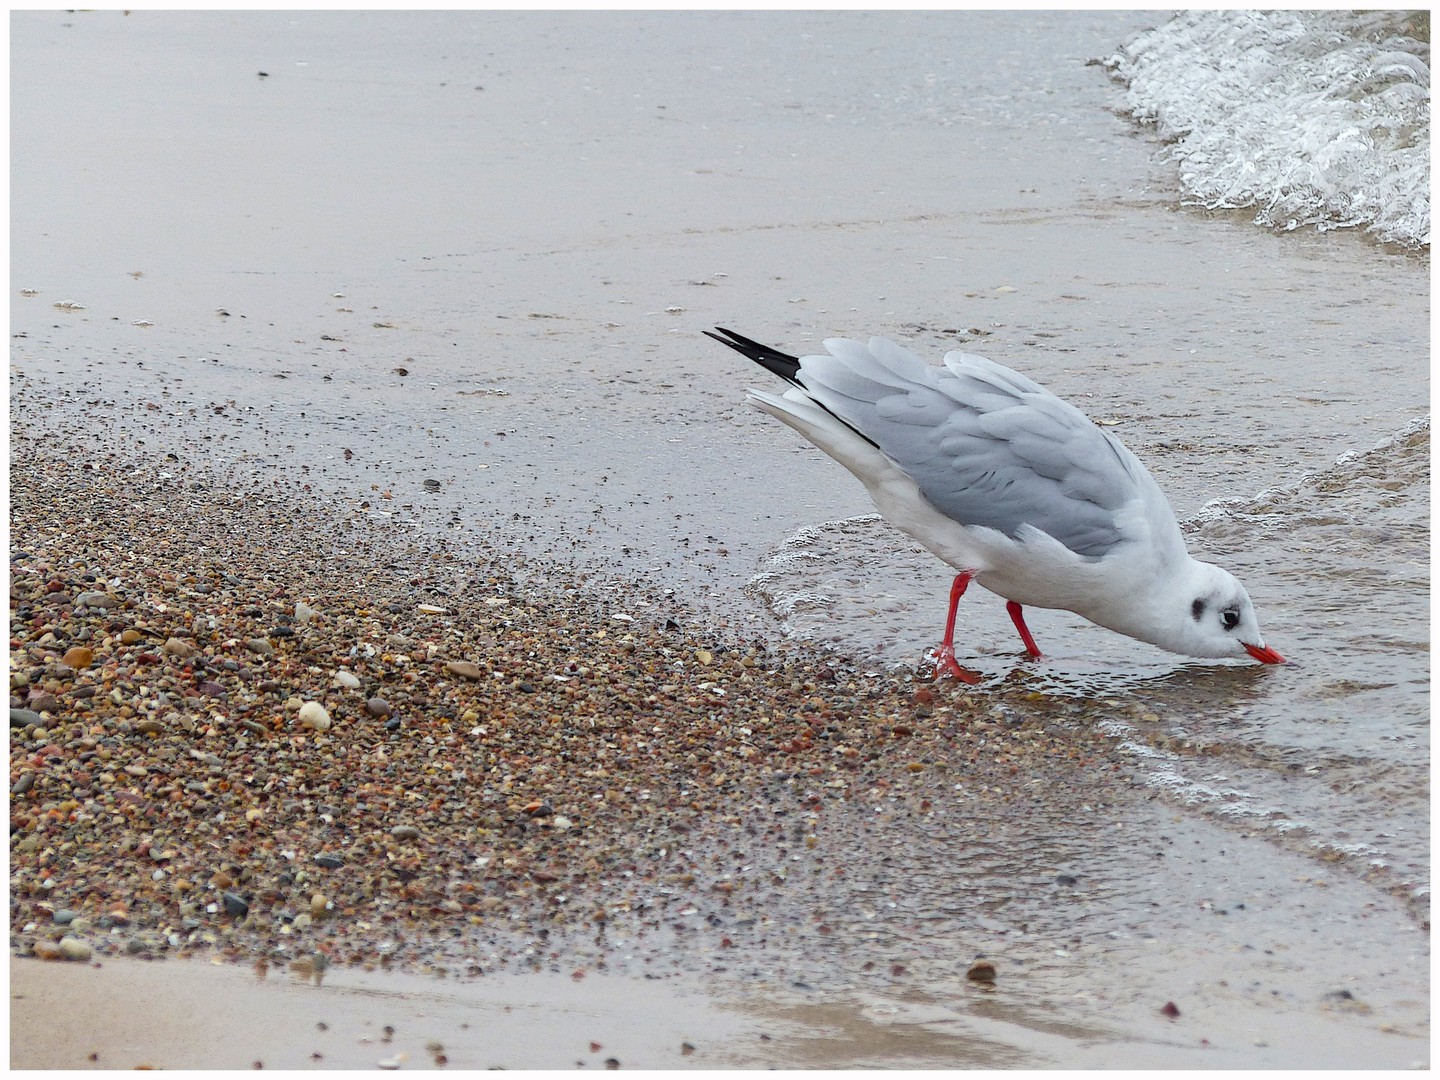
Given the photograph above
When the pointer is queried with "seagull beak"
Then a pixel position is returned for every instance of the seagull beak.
(1263, 653)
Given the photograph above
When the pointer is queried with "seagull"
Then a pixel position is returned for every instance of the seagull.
(1016, 489)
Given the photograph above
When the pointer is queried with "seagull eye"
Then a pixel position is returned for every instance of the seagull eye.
(1230, 618)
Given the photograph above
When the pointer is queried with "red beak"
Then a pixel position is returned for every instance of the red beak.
(1263, 653)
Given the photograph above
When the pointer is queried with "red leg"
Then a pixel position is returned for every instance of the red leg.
(945, 655)
(1017, 616)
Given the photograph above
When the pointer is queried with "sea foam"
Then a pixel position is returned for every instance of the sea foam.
(1311, 118)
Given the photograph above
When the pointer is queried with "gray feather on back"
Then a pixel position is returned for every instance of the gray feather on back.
(985, 445)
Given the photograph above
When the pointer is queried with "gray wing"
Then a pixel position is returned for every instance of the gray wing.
(987, 446)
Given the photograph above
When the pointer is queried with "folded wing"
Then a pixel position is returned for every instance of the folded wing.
(988, 446)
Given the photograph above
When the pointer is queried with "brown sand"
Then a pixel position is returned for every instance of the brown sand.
(638, 833)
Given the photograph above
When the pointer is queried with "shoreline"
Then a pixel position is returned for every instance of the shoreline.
(501, 784)
(548, 791)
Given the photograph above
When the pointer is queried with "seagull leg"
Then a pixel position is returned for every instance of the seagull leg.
(945, 655)
(1017, 616)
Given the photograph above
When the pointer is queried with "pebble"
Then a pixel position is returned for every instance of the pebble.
(347, 679)
(405, 832)
(235, 904)
(314, 716)
(74, 949)
(981, 971)
(96, 600)
(79, 657)
(465, 669)
(377, 707)
(25, 718)
(177, 647)
(131, 637)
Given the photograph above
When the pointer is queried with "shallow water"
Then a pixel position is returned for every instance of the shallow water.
(534, 215)
(1330, 750)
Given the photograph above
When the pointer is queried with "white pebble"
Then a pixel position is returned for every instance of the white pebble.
(314, 715)
(74, 949)
(346, 679)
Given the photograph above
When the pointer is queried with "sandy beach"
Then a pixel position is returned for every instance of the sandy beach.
(519, 781)
(412, 628)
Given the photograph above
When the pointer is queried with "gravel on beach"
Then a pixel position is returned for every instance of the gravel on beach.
(247, 723)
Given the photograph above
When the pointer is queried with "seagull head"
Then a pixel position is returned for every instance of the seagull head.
(1218, 619)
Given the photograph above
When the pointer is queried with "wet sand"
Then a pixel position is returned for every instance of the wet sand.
(733, 831)
(245, 408)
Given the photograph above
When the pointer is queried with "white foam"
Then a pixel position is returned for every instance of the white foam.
(1311, 118)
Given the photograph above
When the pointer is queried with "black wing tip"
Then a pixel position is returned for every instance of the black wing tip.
(772, 360)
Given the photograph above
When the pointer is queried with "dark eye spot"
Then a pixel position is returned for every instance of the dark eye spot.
(1230, 618)
(1197, 610)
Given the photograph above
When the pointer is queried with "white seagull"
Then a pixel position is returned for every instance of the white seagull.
(1014, 488)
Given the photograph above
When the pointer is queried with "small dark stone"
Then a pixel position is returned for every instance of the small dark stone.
(26, 718)
(1066, 879)
(235, 904)
(329, 862)
(24, 784)
(981, 971)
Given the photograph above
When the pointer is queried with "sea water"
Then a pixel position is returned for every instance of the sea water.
(1315, 119)
(1309, 118)
(362, 251)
